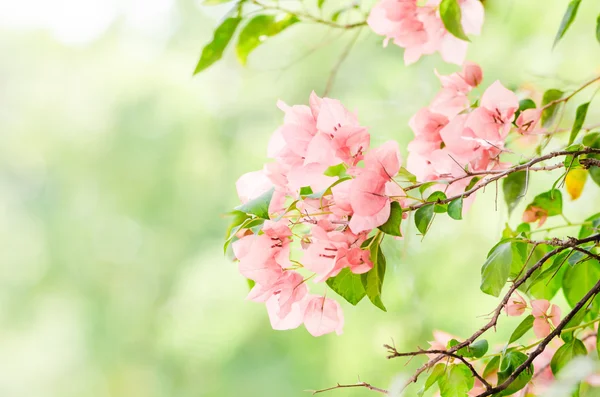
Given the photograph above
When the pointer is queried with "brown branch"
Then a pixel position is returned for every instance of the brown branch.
(393, 353)
(511, 170)
(556, 332)
(359, 384)
(309, 17)
(496, 313)
(488, 172)
(587, 163)
(571, 95)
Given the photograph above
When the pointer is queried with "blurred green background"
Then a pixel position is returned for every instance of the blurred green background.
(116, 163)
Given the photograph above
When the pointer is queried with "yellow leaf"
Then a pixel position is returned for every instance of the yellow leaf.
(575, 181)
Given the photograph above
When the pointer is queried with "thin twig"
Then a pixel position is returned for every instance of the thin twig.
(517, 168)
(359, 384)
(393, 353)
(336, 67)
(309, 17)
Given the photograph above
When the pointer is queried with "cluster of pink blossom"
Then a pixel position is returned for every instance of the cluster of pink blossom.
(332, 226)
(452, 136)
(543, 312)
(419, 28)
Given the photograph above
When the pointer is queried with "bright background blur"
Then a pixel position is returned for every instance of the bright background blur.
(116, 163)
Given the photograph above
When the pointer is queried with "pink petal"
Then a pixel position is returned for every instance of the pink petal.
(361, 223)
(541, 328)
(539, 307)
(251, 185)
(322, 316)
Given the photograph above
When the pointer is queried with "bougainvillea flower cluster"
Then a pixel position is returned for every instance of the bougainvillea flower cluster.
(419, 28)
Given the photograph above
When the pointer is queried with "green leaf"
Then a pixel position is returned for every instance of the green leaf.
(579, 279)
(549, 113)
(457, 382)
(575, 321)
(598, 344)
(437, 372)
(213, 51)
(249, 223)
(455, 208)
(336, 170)
(525, 104)
(475, 350)
(511, 361)
(251, 283)
(373, 280)
(238, 218)
(392, 225)
(426, 186)
(348, 285)
(406, 174)
(598, 28)
(513, 187)
(588, 230)
(258, 30)
(258, 206)
(472, 183)
(522, 329)
(437, 197)
(567, 20)
(579, 119)
(320, 3)
(491, 366)
(593, 141)
(451, 17)
(566, 353)
(423, 217)
(496, 269)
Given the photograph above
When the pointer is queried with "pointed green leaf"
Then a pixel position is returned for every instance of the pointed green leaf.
(579, 120)
(392, 225)
(451, 15)
(511, 361)
(373, 279)
(455, 208)
(496, 269)
(522, 329)
(258, 30)
(423, 217)
(567, 20)
(592, 226)
(437, 197)
(258, 206)
(598, 28)
(566, 353)
(491, 366)
(549, 113)
(457, 382)
(213, 51)
(348, 285)
(513, 187)
(579, 279)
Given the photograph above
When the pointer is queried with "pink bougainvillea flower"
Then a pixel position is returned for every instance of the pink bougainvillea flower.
(293, 319)
(290, 288)
(516, 305)
(528, 120)
(323, 315)
(420, 30)
(533, 214)
(251, 185)
(544, 314)
(491, 121)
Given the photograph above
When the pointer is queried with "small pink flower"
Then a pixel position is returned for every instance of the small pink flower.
(516, 305)
(544, 314)
(527, 121)
(323, 315)
(533, 214)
